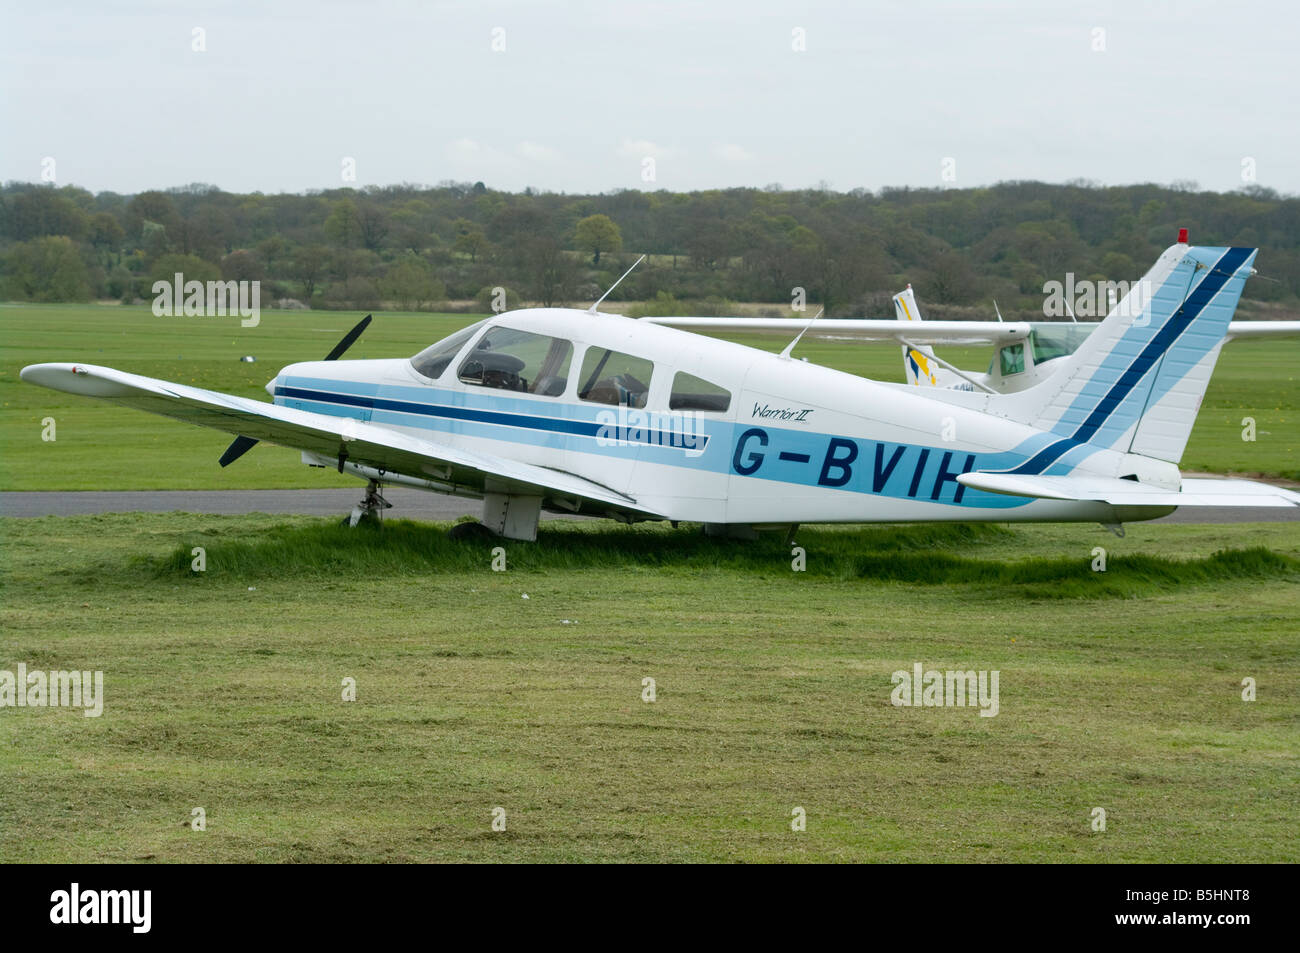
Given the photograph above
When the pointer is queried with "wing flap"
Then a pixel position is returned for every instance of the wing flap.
(366, 444)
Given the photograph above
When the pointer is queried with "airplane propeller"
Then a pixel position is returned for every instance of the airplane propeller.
(241, 444)
(349, 339)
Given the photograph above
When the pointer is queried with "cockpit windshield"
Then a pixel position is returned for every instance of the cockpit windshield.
(433, 360)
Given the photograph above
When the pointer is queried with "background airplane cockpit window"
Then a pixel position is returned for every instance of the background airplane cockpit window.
(1049, 343)
(508, 359)
(1013, 359)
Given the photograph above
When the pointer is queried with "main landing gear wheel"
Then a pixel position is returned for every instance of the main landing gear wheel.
(471, 532)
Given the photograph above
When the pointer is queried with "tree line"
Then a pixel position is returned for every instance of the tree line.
(419, 247)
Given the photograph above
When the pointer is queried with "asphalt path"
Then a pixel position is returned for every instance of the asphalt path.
(407, 503)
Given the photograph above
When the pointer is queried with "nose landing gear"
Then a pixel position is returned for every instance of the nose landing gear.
(371, 508)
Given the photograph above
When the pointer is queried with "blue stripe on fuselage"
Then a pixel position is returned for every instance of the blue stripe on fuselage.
(582, 428)
(903, 471)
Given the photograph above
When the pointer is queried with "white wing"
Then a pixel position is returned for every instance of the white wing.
(917, 332)
(930, 332)
(365, 444)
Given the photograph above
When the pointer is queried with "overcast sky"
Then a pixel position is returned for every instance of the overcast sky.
(716, 93)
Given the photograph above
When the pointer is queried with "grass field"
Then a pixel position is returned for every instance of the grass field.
(1119, 690)
(100, 446)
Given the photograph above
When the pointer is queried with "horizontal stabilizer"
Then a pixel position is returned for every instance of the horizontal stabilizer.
(1131, 493)
(1241, 330)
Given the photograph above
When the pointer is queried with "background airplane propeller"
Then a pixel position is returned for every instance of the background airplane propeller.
(241, 444)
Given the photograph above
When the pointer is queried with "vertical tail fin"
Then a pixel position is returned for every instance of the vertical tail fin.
(1136, 383)
(919, 366)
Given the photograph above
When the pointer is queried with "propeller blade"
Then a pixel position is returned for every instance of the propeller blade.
(238, 447)
(241, 445)
(348, 340)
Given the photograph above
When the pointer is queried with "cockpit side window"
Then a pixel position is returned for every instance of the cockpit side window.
(433, 360)
(695, 393)
(612, 377)
(509, 359)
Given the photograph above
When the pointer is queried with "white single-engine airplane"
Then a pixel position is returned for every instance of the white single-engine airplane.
(584, 412)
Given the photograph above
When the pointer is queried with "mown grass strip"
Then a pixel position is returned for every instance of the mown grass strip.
(943, 555)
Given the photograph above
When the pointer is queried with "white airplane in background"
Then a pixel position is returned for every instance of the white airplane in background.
(1023, 356)
(583, 412)
(1021, 364)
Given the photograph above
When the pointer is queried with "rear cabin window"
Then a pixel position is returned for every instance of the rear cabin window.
(695, 393)
(612, 377)
(521, 361)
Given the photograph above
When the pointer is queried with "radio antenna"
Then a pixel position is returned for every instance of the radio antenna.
(592, 309)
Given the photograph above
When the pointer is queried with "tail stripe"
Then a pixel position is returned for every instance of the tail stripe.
(1210, 285)
(1202, 295)
(1047, 456)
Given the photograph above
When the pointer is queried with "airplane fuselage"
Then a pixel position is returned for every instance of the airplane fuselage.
(773, 441)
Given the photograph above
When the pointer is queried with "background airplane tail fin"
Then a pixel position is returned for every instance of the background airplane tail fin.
(1136, 384)
(919, 366)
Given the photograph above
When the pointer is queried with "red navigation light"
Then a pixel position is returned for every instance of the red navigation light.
(1182, 236)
